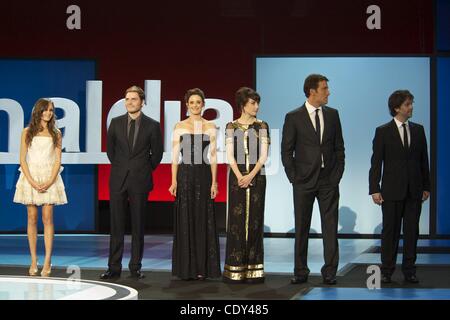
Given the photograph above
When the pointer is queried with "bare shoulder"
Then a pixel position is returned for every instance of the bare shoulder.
(184, 123)
(181, 127)
(209, 125)
(25, 131)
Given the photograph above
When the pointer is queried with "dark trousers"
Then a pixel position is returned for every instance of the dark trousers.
(119, 204)
(328, 198)
(394, 212)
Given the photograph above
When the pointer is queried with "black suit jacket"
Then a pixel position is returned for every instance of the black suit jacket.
(301, 151)
(403, 170)
(139, 164)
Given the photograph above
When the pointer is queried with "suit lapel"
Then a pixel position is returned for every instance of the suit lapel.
(307, 120)
(124, 128)
(413, 133)
(396, 134)
(326, 122)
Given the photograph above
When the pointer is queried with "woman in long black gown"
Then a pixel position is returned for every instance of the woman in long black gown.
(247, 143)
(195, 252)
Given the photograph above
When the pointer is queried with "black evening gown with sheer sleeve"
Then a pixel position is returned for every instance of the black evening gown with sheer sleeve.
(244, 257)
(195, 252)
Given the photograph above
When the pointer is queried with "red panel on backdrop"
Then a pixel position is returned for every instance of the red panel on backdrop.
(162, 178)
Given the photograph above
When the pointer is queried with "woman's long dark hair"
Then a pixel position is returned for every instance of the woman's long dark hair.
(35, 122)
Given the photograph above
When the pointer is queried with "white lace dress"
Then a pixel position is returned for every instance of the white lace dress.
(40, 158)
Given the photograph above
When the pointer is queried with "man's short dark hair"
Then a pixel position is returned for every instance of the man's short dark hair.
(138, 90)
(397, 98)
(312, 82)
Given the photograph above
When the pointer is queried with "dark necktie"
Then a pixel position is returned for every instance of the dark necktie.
(131, 134)
(405, 137)
(318, 124)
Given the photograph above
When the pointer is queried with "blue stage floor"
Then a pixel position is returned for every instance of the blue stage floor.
(91, 252)
(375, 294)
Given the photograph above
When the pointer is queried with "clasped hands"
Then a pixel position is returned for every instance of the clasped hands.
(41, 187)
(245, 181)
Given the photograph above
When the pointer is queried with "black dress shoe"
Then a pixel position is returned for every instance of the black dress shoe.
(110, 275)
(330, 280)
(137, 274)
(411, 279)
(385, 278)
(299, 279)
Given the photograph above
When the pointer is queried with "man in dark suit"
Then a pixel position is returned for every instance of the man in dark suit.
(135, 149)
(312, 152)
(400, 160)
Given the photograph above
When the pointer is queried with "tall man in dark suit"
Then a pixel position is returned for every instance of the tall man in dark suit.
(312, 152)
(135, 149)
(400, 160)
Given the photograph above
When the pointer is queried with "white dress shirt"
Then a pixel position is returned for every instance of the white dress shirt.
(312, 115)
(400, 130)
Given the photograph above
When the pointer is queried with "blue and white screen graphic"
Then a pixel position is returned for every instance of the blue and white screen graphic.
(22, 82)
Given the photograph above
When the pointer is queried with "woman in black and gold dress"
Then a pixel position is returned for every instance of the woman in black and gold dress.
(195, 254)
(247, 144)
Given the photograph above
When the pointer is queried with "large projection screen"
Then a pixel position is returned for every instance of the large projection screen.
(360, 87)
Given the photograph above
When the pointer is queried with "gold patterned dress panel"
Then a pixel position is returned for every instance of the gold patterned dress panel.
(244, 258)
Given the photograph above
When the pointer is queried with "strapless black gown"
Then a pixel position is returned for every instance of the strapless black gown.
(196, 243)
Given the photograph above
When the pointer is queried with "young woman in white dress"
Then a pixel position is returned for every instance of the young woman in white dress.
(40, 182)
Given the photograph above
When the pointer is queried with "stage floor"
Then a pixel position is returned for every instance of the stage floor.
(90, 254)
(91, 251)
